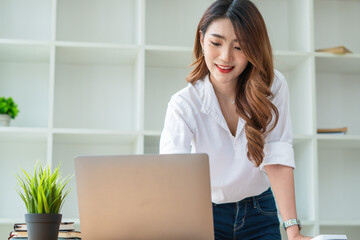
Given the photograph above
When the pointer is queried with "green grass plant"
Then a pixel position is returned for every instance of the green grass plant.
(44, 191)
(8, 106)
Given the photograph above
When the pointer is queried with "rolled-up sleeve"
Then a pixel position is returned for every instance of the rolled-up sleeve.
(176, 135)
(278, 148)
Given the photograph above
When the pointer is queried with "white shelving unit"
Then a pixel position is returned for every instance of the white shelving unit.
(95, 77)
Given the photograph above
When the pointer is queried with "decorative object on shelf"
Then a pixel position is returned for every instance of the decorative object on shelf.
(43, 194)
(332, 130)
(336, 50)
(8, 110)
(69, 235)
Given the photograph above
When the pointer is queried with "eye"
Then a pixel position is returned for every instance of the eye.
(215, 44)
(238, 48)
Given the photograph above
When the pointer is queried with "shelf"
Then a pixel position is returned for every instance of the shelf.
(337, 64)
(94, 77)
(94, 137)
(10, 134)
(333, 141)
(97, 20)
(92, 54)
(299, 139)
(24, 52)
(152, 133)
(162, 57)
(288, 60)
(25, 19)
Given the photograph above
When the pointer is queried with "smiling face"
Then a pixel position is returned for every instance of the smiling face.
(223, 56)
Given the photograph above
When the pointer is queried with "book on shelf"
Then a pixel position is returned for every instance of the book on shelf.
(332, 130)
(336, 50)
(64, 226)
(62, 235)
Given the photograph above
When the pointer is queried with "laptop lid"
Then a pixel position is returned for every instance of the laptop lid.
(163, 196)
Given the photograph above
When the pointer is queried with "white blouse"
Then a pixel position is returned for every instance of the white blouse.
(194, 123)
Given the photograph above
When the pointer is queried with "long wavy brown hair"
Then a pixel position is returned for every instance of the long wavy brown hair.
(253, 89)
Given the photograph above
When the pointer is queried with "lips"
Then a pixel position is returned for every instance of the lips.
(224, 69)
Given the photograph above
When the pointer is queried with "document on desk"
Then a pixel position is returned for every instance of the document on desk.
(330, 237)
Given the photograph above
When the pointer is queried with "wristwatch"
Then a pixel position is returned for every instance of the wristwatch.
(292, 222)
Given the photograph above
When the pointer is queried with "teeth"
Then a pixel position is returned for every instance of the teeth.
(225, 68)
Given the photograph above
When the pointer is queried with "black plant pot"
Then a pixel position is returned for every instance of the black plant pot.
(43, 226)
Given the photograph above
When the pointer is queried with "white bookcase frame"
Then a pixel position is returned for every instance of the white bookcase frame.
(95, 77)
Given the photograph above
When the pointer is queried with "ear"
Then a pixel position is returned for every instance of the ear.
(201, 39)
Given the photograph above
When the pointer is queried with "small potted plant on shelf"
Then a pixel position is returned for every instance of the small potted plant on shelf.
(8, 110)
(43, 193)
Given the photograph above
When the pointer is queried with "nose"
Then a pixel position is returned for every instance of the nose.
(226, 55)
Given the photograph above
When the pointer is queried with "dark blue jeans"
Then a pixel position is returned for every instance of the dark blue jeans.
(251, 218)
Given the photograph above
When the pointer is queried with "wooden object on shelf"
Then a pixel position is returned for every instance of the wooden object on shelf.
(333, 130)
(335, 50)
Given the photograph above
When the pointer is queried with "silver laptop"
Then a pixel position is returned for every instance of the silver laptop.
(144, 197)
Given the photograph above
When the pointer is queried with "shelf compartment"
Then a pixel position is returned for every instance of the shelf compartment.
(18, 151)
(97, 20)
(24, 74)
(105, 78)
(336, 64)
(334, 22)
(67, 146)
(333, 141)
(288, 23)
(24, 51)
(25, 19)
(337, 97)
(164, 26)
(336, 182)
(298, 73)
(165, 71)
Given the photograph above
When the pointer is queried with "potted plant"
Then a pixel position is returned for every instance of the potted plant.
(43, 194)
(8, 110)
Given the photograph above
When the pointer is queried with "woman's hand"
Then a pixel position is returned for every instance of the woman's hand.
(293, 233)
(299, 237)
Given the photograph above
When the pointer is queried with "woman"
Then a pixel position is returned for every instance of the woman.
(236, 109)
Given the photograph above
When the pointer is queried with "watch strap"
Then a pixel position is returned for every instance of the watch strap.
(292, 222)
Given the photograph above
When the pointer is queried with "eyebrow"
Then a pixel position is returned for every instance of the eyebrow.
(220, 36)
